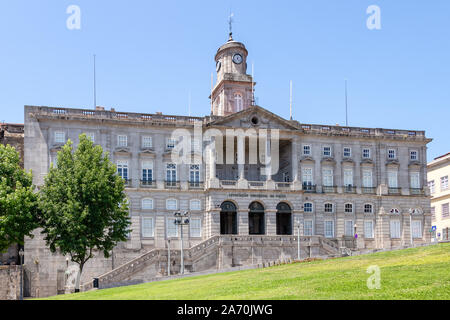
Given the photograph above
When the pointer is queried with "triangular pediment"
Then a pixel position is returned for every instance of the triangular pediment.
(255, 117)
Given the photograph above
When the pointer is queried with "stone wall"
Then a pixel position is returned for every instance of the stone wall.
(9, 282)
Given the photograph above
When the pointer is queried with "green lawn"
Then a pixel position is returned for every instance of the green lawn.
(418, 273)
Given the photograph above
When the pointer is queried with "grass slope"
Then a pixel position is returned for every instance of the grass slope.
(417, 273)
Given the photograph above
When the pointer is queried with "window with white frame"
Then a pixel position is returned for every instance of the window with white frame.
(367, 178)
(147, 171)
(306, 150)
(60, 137)
(416, 229)
(147, 142)
(347, 152)
(195, 204)
(415, 180)
(395, 229)
(392, 179)
(431, 185)
(328, 207)
(307, 176)
(348, 208)
(366, 153)
(195, 227)
(171, 227)
(445, 210)
(171, 172)
(368, 208)
(147, 204)
(348, 177)
(327, 151)
(368, 229)
(171, 204)
(327, 177)
(308, 207)
(170, 143)
(122, 169)
(147, 227)
(329, 228)
(391, 154)
(90, 136)
(349, 228)
(122, 140)
(444, 183)
(308, 228)
(413, 155)
(194, 173)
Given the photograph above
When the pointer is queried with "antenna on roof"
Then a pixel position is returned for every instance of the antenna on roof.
(346, 105)
(290, 100)
(95, 89)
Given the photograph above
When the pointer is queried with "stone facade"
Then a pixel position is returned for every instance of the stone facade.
(9, 282)
(330, 184)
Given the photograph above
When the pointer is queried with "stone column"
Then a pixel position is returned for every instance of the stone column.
(213, 181)
(242, 182)
(296, 184)
(242, 220)
(271, 222)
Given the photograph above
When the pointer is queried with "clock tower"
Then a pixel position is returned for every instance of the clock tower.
(233, 89)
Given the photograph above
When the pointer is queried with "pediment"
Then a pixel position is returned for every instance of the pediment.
(254, 117)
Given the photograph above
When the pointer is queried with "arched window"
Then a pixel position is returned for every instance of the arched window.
(256, 219)
(284, 219)
(238, 102)
(228, 218)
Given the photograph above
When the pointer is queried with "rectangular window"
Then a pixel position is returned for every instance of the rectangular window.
(413, 155)
(90, 136)
(147, 227)
(308, 228)
(415, 180)
(329, 229)
(147, 171)
(194, 173)
(306, 150)
(444, 183)
(392, 179)
(122, 169)
(368, 229)
(367, 179)
(147, 142)
(366, 153)
(328, 207)
(307, 176)
(391, 154)
(433, 213)
(171, 172)
(195, 227)
(170, 143)
(195, 204)
(147, 204)
(431, 186)
(308, 207)
(349, 228)
(327, 151)
(348, 177)
(122, 140)
(60, 137)
(327, 177)
(445, 210)
(171, 204)
(171, 228)
(395, 229)
(347, 152)
(416, 229)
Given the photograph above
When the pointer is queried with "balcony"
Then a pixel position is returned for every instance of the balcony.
(283, 185)
(148, 184)
(416, 192)
(309, 188)
(349, 189)
(329, 189)
(196, 185)
(369, 190)
(394, 191)
(172, 184)
(256, 184)
(228, 184)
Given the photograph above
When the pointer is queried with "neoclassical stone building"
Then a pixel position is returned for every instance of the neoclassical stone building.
(335, 186)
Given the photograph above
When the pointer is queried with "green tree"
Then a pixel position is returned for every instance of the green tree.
(18, 202)
(83, 204)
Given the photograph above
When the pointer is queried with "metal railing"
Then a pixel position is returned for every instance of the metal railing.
(172, 184)
(328, 189)
(349, 189)
(309, 188)
(416, 191)
(369, 190)
(394, 191)
(196, 185)
(148, 183)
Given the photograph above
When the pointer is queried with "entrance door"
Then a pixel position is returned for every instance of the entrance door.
(256, 221)
(228, 218)
(284, 219)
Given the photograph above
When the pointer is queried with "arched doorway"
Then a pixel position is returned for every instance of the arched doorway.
(256, 222)
(228, 218)
(284, 219)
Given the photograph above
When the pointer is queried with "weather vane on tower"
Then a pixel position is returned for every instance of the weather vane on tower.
(230, 23)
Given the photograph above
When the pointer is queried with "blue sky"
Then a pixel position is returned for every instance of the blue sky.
(151, 54)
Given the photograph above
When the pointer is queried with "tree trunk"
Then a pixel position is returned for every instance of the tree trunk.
(77, 283)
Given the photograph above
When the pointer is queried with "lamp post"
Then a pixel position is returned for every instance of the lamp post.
(410, 225)
(168, 257)
(21, 273)
(181, 219)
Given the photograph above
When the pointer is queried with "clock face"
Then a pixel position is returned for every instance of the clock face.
(237, 58)
(218, 65)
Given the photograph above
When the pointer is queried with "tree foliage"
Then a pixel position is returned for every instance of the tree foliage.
(83, 203)
(18, 202)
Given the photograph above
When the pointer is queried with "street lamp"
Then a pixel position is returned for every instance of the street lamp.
(181, 219)
(21, 273)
